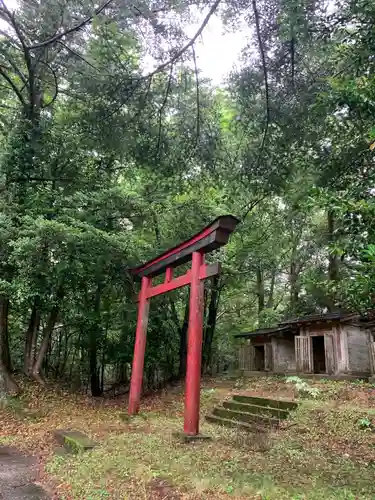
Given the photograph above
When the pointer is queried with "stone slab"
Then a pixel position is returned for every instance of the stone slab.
(261, 401)
(74, 441)
(190, 438)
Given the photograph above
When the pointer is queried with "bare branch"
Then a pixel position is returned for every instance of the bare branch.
(124, 101)
(78, 55)
(292, 58)
(179, 53)
(250, 206)
(29, 81)
(13, 22)
(171, 61)
(80, 25)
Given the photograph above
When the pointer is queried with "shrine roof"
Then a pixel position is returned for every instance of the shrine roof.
(263, 331)
(213, 236)
(339, 316)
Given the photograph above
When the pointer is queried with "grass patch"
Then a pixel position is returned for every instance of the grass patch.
(232, 464)
(7, 440)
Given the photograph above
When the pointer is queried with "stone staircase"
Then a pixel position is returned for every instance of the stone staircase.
(251, 413)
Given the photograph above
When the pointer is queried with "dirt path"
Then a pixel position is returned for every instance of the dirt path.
(18, 475)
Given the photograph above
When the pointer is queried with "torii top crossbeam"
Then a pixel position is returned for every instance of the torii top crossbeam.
(213, 236)
(210, 238)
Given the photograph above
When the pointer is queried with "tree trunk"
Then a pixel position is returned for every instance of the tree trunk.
(294, 288)
(260, 289)
(272, 289)
(94, 371)
(46, 337)
(183, 342)
(56, 368)
(333, 259)
(211, 324)
(5, 349)
(93, 345)
(65, 354)
(31, 337)
(104, 350)
(7, 383)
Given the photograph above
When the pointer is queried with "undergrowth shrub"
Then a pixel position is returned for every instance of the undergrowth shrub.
(303, 389)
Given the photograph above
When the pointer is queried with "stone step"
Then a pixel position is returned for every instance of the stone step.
(273, 403)
(74, 441)
(245, 417)
(214, 419)
(256, 409)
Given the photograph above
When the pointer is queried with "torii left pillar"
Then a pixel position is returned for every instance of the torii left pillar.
(194, 349)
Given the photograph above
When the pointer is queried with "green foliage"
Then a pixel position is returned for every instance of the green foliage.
(365, 423)
(303, 388)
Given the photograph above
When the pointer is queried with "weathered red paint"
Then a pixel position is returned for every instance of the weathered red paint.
(139, 348)
(168, 274)
(211, 237)
(194, 350)
(178, 248)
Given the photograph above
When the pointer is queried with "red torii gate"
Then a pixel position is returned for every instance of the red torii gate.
(211, 237)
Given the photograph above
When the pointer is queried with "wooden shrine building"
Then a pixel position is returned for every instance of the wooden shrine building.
(332, 344)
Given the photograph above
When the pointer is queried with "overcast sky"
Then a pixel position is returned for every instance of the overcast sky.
(217, 51)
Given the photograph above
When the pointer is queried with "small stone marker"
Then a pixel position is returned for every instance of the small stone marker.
(74, 441)
(190, 438)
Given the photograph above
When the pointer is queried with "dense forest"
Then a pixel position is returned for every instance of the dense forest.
(107, 159)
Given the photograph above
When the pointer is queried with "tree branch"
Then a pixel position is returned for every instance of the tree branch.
(162, 109)
(189, 44)
(14, 66)
(77, 55)
(250, 206)
(197, 94)
(55, 83)
(264, 65)
(292, 58)
(16, 28)
(13, 86)
(80, 25)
